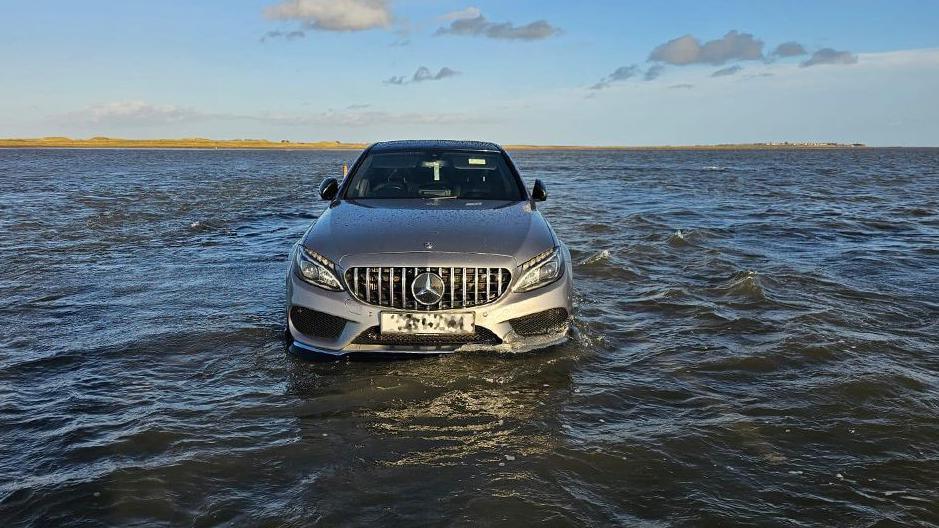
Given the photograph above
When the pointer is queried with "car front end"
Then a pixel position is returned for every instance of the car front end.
(485, 291)
(434, 261)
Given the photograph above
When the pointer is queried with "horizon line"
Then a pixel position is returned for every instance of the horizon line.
(266, 144)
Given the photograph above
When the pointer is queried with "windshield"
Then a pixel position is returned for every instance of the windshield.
(435, 174)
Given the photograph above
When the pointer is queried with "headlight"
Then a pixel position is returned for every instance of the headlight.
(317, 269)
(540, 271)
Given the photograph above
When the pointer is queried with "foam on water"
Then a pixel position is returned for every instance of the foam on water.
(599, 256)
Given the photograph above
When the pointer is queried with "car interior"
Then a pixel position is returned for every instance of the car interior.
(434, 175)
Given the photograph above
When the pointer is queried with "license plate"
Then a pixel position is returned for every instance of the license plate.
(427, 323)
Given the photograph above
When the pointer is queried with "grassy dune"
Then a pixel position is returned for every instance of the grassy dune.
(202, 143)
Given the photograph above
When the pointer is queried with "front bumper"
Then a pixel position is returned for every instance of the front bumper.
(501, 325)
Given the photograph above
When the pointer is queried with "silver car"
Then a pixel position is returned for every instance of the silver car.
(429, 247)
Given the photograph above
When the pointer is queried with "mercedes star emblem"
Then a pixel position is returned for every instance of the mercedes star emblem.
(427, 288)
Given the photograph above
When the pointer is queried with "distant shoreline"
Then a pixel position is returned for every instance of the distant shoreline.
(261, 144)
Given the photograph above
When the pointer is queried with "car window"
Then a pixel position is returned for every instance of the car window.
(434, 174)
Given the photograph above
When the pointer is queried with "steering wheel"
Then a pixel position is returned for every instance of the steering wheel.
(393, 187)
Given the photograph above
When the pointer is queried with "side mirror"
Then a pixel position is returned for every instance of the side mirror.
(538, 192)
(329, 188)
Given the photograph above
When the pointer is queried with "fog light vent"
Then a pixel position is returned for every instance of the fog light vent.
(547, 322)
(316, 324)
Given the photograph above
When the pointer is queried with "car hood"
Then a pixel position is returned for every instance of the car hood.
(512, 229)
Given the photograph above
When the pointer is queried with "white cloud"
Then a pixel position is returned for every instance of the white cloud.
(132, 113)
(370, 118)
(138, 114)
(789, 49)
(479, 26)
(685, 50)
(830, 56)
(333, 15)
(469, 12)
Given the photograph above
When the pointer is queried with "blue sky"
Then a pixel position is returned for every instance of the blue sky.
(545, 72)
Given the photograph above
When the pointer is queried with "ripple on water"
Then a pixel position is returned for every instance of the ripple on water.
(754, 343)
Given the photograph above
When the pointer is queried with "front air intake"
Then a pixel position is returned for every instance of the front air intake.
(316, 324)
(541, 323)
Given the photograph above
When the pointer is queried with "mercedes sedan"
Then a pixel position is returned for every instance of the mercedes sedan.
(429, 247)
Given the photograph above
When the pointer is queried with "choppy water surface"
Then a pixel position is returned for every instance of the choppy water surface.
(757, 344)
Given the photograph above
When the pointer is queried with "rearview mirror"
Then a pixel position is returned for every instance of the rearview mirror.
(329, 188)
(538, 192)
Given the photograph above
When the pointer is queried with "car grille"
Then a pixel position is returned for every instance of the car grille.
(546, 322)
(462, 287)
(373, 336)
(316, 324)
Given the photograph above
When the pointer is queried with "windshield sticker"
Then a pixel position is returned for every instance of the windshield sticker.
(477, 161)
(436, 166)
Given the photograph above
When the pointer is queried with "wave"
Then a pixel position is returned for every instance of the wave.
(746, 284)
(600, 256)
(677, 239)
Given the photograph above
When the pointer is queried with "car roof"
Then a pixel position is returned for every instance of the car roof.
(434, 144)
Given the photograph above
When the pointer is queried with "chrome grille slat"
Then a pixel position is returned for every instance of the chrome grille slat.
(357, 292)
(463, 287)
(404, 281)
(440, 302)
(488, 285)
(476, 284)
(453, 287)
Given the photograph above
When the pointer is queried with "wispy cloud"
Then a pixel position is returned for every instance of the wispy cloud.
(133, 112)
(830, 56)
(289, 35)
(624, 73)
(423, 74)
(367, 118)
(653, 72)
(681, 86)
(788, 49)
(478, 26)
(333, 15)
(469, 12)
(733, 46)
(141, 114)
(619, 74)
(730, 70)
